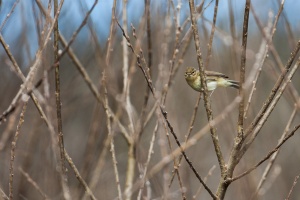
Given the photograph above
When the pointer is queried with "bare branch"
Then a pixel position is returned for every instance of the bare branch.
(207, 105)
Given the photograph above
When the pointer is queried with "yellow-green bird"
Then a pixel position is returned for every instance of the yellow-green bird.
(213, 80)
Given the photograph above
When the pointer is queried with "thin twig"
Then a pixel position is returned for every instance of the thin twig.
(211, 37)
(259, 60)
(145, 168)
(143, 118)
(187, 136)
(274, 156)
(3, 195)
(78, 176)
(111, 31)
(33, 183)
(13, 148)
(272, 102)
(9, 14)
(267, 156)
(110, 135)
(205, 180)
(6, 134)
(293, 186)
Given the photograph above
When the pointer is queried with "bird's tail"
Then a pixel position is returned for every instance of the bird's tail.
(234, 84)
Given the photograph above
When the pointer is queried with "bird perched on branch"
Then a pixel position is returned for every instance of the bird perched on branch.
(213, 80)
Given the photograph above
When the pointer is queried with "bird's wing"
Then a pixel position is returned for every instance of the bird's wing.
(216, 74)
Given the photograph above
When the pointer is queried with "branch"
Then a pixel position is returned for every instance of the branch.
(63, 172)
(205, 92)
(242, 73)
(293, 186)
(267, 156)
(13, 148)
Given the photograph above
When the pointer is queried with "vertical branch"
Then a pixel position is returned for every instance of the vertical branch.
(128, 107)
(213, 28)
(144, 171)
(13, 148)
(149, 50)
(64, 180)
(293, 186)
(125, 48)
(233, 159)
(242, 71)
(130, 171)
(205, 92)
(111, 30)
(110, 135)
(149, 42)
(233, 50)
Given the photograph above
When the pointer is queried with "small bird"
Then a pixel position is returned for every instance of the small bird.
(213, 80)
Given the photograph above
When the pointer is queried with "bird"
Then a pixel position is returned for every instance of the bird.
(213, 80)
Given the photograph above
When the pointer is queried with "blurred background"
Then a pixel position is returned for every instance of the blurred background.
(99, 47)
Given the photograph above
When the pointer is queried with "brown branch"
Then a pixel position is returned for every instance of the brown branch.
(205, 92)
(64, 176)
(143, 118)
(267, 156)
(205, 180)
(242, 73)
(78, 176)
(13, 148)
(238, 141)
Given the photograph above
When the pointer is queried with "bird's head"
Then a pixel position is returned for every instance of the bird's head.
(190, 73)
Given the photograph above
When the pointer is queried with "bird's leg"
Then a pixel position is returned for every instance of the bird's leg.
(211, 93)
